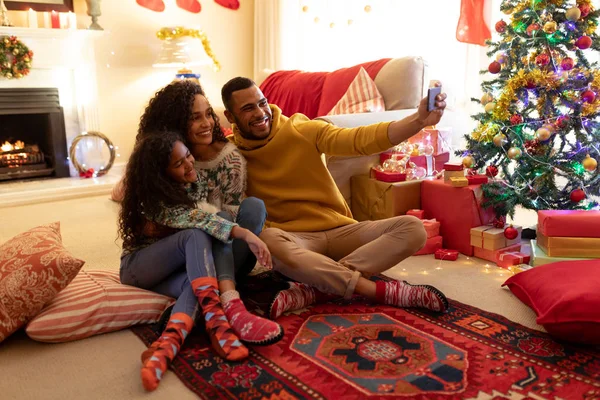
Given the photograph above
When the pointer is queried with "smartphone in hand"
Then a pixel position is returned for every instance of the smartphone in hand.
(431, 95)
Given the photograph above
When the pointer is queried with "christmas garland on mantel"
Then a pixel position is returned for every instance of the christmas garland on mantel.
(15, 58)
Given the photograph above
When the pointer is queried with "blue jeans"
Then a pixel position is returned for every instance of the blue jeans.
(162, 268)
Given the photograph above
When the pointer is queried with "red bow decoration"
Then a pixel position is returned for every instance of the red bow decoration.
(87, 174)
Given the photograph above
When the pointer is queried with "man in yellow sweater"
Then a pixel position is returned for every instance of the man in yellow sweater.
(310, 230)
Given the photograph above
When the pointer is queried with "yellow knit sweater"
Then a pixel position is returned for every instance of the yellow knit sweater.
(285, 169)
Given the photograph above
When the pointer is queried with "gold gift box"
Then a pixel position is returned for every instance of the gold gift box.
(582, 247)
(490, 238)
(459, 182)
(448, 175)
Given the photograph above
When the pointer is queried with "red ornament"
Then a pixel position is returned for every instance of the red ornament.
(500, 26)
(511, 233)
(491, 171)
(585, 10)
(531, 29)
(495, 67)
(533, 147)
(584, 42)
(542, 59)
(567, 64)
(577, 195)
(588, 96)
(562, 121)
(530, 85)
(499, 222)
(516, 119)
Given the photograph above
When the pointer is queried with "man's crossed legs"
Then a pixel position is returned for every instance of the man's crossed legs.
(339, 262)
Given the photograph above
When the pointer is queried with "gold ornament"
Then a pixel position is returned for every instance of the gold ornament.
(500, 140)
(550, 27)
(486, 98)
(514, 153)
(18, 75)
(16, 52)
(468, 162)
(543, 134)
(589, 163)
(9, 75)
(367, 8)
(489, 107)
(6, 41)
(573, 14)
(508, 11)
(305, 9)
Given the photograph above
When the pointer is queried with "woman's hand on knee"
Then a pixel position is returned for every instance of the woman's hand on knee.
(257, 246)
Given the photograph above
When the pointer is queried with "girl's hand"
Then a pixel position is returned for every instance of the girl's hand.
(257, 246)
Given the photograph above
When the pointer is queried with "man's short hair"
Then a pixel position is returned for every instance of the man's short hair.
(235, 84)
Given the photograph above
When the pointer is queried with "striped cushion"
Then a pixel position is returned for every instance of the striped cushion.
(362, 96)
(95, 302)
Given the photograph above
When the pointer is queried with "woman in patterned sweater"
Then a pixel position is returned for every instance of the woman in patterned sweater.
(161, 185)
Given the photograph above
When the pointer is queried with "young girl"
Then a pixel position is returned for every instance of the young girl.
(162, 186)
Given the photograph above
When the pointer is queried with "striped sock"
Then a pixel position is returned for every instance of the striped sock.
(156, 359)
(403, 294)
(222, 337)
(298, 296)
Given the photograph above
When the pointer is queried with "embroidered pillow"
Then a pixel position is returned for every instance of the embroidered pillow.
(34, 267)
(95, 302)
(362, 96)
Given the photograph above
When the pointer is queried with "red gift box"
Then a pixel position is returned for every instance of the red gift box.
(385, 176)
(569, 223)
(508, 259)
(493, 255)
(430, 163)
(445, 254)
(454, 167)
(477, 179)
(457, 210)
(416, 213)
(432, 227)
(431, 246)
(440, 139)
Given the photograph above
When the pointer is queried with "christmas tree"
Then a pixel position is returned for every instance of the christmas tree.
(539, 127)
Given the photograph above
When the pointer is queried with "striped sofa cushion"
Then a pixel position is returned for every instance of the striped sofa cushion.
(95, 302)
(362, 96)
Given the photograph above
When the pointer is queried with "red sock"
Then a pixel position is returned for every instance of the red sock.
(222, 337)
(158, 356)
(231, 4)
(250, 328)
(192, 6)
(297, 297)
(154, 5)
(403, 294)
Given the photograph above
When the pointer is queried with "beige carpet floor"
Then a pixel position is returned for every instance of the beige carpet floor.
(107, 366)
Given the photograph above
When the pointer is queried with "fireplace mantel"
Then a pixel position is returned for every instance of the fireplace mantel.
(63, 59)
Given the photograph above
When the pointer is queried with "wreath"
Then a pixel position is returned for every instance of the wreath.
(15, 58)
(89, 172)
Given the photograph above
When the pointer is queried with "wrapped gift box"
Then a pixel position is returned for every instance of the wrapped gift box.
(384, 176)
(431, 246)
(457, 210)
(373, 200)
(440, 139)
(454, 167)
(432, 227)
(430, 163)
(415, 212)
(477, 179)
(569, 223)
(511, 258)
(459, 182)
(490, 238)
(453, 174)
(494, 255)
(553, 246)
(539, 257)
(445, 254)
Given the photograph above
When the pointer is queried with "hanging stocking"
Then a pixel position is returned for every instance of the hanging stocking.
(154, 5)
(471, 24)
(231, 4)
(192, 6)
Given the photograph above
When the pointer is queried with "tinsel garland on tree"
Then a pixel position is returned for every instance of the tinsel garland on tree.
(540, 126)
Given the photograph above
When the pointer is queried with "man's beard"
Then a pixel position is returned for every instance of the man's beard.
(246, 134)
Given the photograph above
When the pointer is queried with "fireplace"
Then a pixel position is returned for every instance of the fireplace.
(33, 140)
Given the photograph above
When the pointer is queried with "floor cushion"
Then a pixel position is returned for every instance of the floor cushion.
(565, 296)
(34, 267)
(95, 302)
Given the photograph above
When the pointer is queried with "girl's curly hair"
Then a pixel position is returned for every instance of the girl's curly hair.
(146, 186)
(171, 110)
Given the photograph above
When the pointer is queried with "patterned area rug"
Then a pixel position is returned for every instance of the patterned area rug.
(354, 350)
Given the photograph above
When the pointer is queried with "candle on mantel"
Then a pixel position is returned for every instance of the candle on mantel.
(47, 22)
(55, 20)
(72, 20)
(32, 19)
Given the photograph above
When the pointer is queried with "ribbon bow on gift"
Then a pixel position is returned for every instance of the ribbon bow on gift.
(87, 174)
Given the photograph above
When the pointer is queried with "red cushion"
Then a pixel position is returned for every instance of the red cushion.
(295, 91)
(337, 82)
(565, 297)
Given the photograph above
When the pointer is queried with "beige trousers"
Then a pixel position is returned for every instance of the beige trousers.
(333, 260)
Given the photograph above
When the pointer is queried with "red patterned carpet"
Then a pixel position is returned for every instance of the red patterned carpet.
(352, 350)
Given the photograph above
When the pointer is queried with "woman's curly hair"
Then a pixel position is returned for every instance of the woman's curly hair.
(171, 110)
(146, 186)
